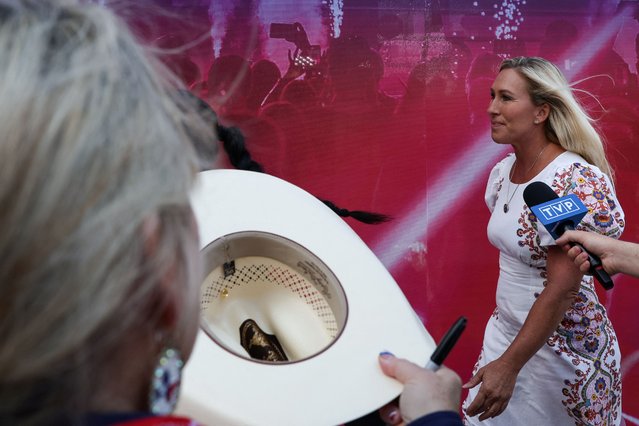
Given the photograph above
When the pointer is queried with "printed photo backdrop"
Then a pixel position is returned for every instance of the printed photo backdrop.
(381, 106)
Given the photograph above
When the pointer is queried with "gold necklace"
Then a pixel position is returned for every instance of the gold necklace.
(509, 198)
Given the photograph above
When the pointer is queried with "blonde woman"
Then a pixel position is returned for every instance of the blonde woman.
(550, 354)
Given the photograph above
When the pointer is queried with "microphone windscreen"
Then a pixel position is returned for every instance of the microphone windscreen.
(538, 193)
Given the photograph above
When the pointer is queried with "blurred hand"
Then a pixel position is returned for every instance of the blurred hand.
(295, 69)
(424, 392)
(599, 245)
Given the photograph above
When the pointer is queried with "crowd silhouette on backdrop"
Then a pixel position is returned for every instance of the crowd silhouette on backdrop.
(317, 120)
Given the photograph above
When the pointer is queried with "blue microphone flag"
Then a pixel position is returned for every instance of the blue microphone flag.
(556, 214)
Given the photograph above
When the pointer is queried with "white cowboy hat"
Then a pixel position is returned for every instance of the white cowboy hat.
(277, 255)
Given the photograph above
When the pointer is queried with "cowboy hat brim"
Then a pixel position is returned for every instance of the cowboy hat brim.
(342, 381)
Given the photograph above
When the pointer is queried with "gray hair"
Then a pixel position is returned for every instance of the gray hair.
(568, 125)
(94, 139)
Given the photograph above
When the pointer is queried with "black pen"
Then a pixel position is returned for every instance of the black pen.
(446, 344)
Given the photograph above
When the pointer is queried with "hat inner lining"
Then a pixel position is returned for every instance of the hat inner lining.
(284, 291)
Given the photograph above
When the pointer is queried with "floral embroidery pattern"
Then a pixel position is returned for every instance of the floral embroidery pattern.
(592, 189)
(495, 313)
(529, 233)
(592, 396)
(586, 338)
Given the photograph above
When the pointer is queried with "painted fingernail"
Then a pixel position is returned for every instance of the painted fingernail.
(386, 354)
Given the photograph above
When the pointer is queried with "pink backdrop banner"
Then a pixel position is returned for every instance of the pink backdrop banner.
(404, 130)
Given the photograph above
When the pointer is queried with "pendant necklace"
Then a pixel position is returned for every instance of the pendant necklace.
(509, 198)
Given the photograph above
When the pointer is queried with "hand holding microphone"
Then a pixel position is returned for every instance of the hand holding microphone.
(616, 255)
(561, 214)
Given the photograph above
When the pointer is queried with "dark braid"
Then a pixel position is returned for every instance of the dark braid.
(233, 141)
(235, 147)
(362, 216)
(234, 144)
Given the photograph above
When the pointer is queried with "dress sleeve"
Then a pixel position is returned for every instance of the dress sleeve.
(595, 190)
(494, 184)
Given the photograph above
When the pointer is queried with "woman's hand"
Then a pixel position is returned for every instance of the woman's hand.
(497, 380)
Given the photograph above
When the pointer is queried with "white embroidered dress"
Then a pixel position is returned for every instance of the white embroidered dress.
(574, 378)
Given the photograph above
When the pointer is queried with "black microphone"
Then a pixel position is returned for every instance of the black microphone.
(561, 214)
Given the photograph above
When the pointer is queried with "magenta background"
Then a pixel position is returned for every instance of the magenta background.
(428, 168)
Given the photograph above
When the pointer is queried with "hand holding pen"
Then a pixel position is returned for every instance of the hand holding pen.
(426, 390)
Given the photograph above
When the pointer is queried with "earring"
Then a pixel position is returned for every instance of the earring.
(536, 121)
(165, 383)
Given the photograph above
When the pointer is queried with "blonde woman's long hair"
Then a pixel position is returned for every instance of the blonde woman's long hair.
(94, 139)
(568, 125)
